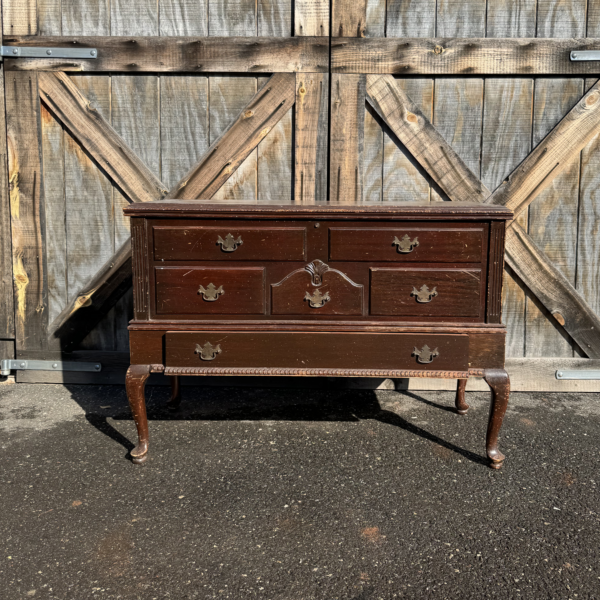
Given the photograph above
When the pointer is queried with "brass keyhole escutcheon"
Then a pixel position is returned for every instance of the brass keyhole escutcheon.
(211, 293)
(229, 244)
(424, 295)
(405, 245)
(426, 355)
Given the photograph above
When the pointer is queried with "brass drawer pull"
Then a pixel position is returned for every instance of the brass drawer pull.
(424, 295)
(425, 355)
(211, 293)
(208, 351)
(230, 244)
(405, 245)
(317, 300)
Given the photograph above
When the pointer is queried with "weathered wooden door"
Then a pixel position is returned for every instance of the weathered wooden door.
(403, 100)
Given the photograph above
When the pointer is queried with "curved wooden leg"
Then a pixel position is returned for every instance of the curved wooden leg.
(461, 406)
(175, 399)
(135, 384)
(498, 380)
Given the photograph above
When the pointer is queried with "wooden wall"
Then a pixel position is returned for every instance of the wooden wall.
(168, 120)
(493, 123)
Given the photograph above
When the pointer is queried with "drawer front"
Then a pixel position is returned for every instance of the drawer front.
(317, 350)
(210, 290)
(317, 290)
(421, 292)
(229, 243)
(406, 244)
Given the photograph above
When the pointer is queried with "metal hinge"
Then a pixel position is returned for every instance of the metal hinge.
(9, 365)
(577, 374)
(39, 52)
(583, 55)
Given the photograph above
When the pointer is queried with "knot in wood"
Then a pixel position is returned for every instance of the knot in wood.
(438, 49)
(411, 117)
(592, 99)
(248, 114)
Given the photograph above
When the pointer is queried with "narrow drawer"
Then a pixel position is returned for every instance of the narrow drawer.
(210, 290)
(229, 243)
(317, 350)
(407, 244)
(417, 292)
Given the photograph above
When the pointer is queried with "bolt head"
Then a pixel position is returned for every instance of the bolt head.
(54, 365)
(22, 365)
(97, 367)
(15, 51)
(49, 52)
(93, 53)
(559, 374)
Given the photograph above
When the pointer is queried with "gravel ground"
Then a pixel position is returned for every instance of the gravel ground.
(290, 494)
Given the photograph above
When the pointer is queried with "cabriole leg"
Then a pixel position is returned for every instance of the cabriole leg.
(461, 406)
(175, 399)
(135, 384)
(498, 380)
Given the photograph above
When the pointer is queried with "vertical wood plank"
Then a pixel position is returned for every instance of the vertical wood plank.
(232, 17)
(53, 150)
(460, 18)
(564, 18)
(85, 18)
(19, 17)
(183, 17)
(348, 95)
(506, 141)
(134, 18)
(411, 18)
(311, 139)
(403, 180)
(553, 215)
(373, 159)
(511, 18)
(184, 125)
(275, 18)
(349, 18)
(311, 17)
(228, 96)
(49, 17)
(27, 211)
(89, 211)
(274, 153)
(7, 317)
(376, 11)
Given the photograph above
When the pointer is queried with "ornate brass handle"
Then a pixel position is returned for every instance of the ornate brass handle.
(230, 244)
(424, 295)
(211, 293)
(208, 351)
(425, 355)
(317, 300)
(405, 245)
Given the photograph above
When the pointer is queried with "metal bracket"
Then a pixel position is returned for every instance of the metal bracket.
(578, 374)
(39, 52)
(9, 365)
(585, 55)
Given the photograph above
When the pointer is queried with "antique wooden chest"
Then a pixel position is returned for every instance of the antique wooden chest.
(368, 290)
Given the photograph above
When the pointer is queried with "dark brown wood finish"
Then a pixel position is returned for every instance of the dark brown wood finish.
(318, 290)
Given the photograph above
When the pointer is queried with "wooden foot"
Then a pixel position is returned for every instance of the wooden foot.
(135, 384)
(498, 380)
(461, 406)
(175, 399)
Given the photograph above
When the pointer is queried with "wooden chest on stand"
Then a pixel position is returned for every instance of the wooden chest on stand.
(368, 290)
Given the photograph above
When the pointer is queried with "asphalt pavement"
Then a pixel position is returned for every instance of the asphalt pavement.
(288, 494)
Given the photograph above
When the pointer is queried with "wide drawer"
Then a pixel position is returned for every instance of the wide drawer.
(210, 290)
(407, 244)
(229, 243)
(419, 292)
(436, 352)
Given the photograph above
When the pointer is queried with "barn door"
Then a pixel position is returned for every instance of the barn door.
(405, 100)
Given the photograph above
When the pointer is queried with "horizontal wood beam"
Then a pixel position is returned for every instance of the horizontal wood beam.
(423, 140)
(551, 155)
(94, 300)
(229, 151)
(98, 138)
(553, 290)
(462, 56)
(180, 54)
